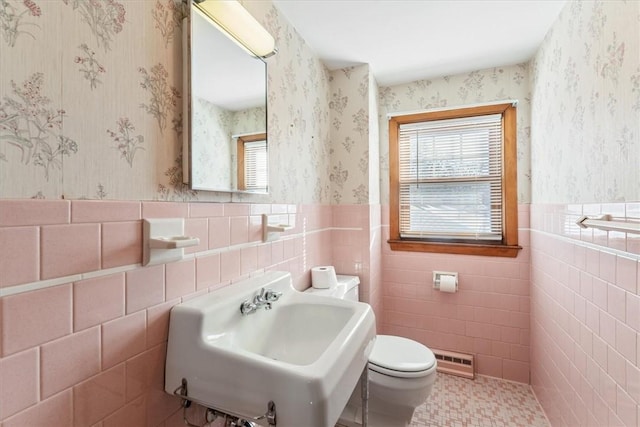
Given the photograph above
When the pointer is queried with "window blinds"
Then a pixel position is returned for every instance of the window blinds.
(256, 173)
(450, 177)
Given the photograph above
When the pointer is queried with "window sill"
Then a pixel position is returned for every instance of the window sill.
(455, 248)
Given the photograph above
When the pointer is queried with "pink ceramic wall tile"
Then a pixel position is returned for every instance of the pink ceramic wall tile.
(633, 243)
(69, 360)
(627, 273)
(259, 209)
(599, 347)
(626, 408)
(607, 328)
(633, 311)
(158, 323)
(203, 210)
(600, 292)
(489, 365)
(593, 261)
(279, 208)
(289, 248)
(123, 338)
(104, 211)
(351, 216)
(49, 317)
(633, 381)
(625, 341)
(237, 209)
(19, 382)
(207, 271)
(515, 371)
(239, 230)
(98, 300)
(98, 397)
(255, 228)
(608, 267)
(160, 406)
(144, 372)
(229, 265)
(19, 255)
(133, 414)
(617, 240)
(180, 278)
(55, 411)
(144, 288)
(248, 260)
(69, 249)
(164, 210)
(277, 251)
(264, 255)
(34, 212)
(121, 244)
(197, 228)
(616, 366)
(219, 232)
(616, 302)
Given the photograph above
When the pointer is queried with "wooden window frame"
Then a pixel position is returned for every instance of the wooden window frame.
(240, 155)
(508, 247)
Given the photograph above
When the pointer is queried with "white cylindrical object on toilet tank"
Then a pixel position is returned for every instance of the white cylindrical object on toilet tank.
(448, 283)
(323, 277)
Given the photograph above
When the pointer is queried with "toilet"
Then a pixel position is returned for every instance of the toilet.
(401, 372)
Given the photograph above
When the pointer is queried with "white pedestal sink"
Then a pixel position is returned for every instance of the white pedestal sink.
(305, 354)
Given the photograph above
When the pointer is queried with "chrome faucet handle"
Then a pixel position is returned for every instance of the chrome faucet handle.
(259, 299)
(247, 307)
(272, 296)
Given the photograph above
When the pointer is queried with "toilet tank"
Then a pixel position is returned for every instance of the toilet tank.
(350, 287)
(347, 288)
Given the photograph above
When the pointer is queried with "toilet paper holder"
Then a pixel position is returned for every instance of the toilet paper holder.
(437, 276)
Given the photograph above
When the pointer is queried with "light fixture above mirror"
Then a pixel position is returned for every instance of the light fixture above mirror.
(236, 22)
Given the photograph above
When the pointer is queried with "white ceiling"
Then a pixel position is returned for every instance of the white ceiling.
(408, 40)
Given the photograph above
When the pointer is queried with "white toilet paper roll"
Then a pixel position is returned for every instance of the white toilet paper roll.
(323, 277)
(448, 284)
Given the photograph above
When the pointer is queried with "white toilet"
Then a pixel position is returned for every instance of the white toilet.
(401, 372)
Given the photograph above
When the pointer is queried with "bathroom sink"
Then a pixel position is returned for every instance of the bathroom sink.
(305, 354)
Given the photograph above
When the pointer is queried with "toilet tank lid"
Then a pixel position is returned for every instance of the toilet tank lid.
(349, 282)
(401, 354)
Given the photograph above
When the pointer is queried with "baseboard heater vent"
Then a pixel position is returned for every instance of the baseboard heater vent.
(453, 363)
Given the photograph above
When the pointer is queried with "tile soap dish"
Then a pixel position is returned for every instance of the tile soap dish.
(164, 240)
(173, 242)
(270, 230)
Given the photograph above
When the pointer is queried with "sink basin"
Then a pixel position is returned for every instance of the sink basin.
(305, 354)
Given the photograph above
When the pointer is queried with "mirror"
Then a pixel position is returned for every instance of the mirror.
(227, 143)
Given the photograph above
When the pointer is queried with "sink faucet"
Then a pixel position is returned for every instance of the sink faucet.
(263, 299)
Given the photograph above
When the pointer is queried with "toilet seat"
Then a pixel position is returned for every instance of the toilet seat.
(401, 357)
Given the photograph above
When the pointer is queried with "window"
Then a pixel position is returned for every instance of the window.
(453, 181)
(253, 170)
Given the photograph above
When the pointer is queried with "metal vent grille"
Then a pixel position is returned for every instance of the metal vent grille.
(453, 363)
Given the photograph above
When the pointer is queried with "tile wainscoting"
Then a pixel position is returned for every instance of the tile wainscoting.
(84, 327)
(585, 316)
(487, 317)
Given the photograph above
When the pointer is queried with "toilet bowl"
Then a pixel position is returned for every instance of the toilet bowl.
(401, 372)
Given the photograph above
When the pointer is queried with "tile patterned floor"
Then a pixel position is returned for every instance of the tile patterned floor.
(483, 402)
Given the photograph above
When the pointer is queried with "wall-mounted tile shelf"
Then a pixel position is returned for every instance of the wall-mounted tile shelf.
(163, 240)
(273, 225)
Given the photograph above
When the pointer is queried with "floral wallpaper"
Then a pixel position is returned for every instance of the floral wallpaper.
(350, 135)
(494, 84)
(586, 105)
(94, 110)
